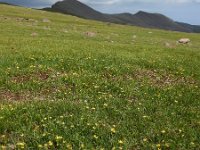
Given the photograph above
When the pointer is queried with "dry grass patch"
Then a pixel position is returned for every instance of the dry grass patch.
(162, 79)
(15, 96)
(23, 78)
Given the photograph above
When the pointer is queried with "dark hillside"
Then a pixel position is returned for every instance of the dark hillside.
(142, 19)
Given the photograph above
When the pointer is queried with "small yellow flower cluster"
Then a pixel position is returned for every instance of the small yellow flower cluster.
(69, 147)
(113, 130)
(3, 147)
(40, 146)
(20, 145)
(163, 131)
(58, 138)
(95, 136)
(120, 142)
(50, 143)
(145, 140)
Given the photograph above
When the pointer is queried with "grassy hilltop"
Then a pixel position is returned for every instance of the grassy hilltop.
(69, 83)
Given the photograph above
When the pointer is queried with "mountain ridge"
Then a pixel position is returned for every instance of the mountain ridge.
(141, 18)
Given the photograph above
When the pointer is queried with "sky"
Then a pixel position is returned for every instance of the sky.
(187, 11)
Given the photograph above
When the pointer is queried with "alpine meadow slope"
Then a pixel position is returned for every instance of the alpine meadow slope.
(70, 83)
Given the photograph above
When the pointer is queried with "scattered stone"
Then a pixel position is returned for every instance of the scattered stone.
(90, 34)
(46, 28)
(170, 45)
(32, 20)
(150, 32)
(115, 34)
(34, 34)
(19, 19)
(167, 44)
(29, 20)
(65, 31)
(45, 20)
(134, 36)
(184, 41)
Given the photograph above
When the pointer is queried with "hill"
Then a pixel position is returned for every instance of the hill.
(142, 19)
(4, 3)
(71, 83)
(76, 8)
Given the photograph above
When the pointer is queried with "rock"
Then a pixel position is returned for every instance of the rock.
(46, 28)
(134, 36)
(90, 34)
(19, 19)
(167, 44)
(170, 45)
(45, 20)
(34, 34)
(184, 41)
(65, 31)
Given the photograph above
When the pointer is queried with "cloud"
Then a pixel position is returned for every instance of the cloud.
(35, 3)
(116, 2)
(30, 3)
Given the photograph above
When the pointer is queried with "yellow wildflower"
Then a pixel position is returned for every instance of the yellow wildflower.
(58, 138)
(163, 131)
(158, 145)
(40, 146)
(145, 139)
(3, 147)
(95, 136)
(114, 148)
(105, 105)
(192, 143)
(21, 145)
(82, 145)
(166, 144)
(93, 108)
(113, 130)
(69, 146)
(120, 142)
(50, 143)
(46, 145)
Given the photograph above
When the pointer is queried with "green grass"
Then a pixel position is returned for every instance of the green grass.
(123, 88)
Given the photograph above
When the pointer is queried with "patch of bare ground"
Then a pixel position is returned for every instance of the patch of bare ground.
(26, 95)
(14, 96)
(90, 34)
(162, 79)
(20, 20)
(40, 75)
(170, 45)
(4, 18)
(46, 92)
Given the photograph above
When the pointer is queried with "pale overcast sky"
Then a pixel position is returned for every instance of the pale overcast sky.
(180, 10)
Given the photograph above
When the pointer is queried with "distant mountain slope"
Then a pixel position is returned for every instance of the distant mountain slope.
(151, 20)
(194, 28)
(8, 4)
(160, 21)
(76, 8)
(142, 19)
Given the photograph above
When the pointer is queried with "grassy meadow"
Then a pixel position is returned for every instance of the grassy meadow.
(70, 83)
